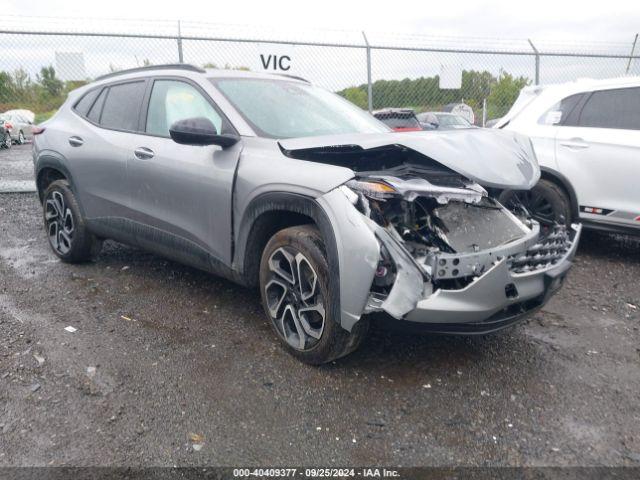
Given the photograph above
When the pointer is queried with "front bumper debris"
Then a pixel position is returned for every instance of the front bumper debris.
(522, 278)
(508, 271)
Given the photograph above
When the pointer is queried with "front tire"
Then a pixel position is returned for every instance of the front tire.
(546, 202)
(21, 139)
(66, 228)
(294, 284)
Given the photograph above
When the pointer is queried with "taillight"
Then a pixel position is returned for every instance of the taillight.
(37, 130)
(8, 125)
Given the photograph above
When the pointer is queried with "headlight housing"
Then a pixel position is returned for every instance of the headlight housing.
(378, 190)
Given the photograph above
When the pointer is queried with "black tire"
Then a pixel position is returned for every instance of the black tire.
(546, 202)
(7, 143)
(331, 341)
(21, 138)
(69, 238)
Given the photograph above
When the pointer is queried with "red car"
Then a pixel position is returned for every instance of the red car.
(5, 134)
(399, 119)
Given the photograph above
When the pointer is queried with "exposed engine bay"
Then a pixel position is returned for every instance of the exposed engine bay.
(446, 251)
(452, 229)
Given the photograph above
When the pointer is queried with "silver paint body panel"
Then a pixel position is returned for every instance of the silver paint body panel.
(198, 197)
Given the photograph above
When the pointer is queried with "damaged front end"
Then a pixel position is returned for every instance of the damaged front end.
(448, 256)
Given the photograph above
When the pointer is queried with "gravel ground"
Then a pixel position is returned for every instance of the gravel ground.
(16, 169)
(172, 366)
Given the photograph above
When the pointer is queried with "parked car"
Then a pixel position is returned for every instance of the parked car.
(586, 135)
(5, 135)
(442, 121)
(272, 182)
(399, 119)
(26, 114)
(20, 126)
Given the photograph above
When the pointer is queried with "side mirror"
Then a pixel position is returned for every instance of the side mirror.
(199, 131)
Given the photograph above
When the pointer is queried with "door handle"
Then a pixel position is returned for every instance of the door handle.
(143, 153)
(76, 141)
(576, 143)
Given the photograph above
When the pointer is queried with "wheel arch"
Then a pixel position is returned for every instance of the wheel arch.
(563, 182)
(50, 168)
(271, 212)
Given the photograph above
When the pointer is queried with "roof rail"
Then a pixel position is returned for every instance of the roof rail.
(294, 77)
(168, 66)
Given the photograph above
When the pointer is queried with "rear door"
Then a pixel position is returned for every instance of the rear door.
(598, 149)
(181, 194)
(98, 146)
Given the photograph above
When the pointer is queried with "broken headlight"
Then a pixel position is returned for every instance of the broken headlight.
(372, 189)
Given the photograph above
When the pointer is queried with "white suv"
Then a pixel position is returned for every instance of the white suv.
(586, 135)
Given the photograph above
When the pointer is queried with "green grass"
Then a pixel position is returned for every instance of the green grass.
(41, 117)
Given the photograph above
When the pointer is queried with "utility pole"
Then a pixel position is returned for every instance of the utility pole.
(633, 49)
(369, 86)
(535, 50)
(180, 56)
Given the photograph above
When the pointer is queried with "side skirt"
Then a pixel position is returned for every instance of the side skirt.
(161, 243)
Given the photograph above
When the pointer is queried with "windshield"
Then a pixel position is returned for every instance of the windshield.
(452, 121)
(283, 109)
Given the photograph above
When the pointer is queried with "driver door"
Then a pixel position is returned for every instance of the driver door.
(181, 194)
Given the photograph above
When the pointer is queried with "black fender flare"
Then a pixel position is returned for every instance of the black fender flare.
(294, 203)
(51, 159)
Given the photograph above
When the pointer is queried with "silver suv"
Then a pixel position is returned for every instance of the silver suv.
(272, 182)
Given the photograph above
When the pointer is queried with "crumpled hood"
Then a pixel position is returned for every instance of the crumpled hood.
(492, 158)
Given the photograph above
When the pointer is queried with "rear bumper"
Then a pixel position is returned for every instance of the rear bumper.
(494, 300)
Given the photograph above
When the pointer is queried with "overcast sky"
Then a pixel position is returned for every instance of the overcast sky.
(597, 21)
(553, 25)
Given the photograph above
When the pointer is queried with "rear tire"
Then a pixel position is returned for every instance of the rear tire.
(294, 284)
(66, 228)
(546, 202)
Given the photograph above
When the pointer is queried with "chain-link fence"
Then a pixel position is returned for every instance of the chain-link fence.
(44, 58)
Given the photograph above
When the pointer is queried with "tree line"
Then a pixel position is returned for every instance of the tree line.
(424, 93)
(44, 94)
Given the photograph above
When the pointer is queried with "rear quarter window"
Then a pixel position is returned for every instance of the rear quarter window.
(96, 109)
(83, 105)
(563, 112)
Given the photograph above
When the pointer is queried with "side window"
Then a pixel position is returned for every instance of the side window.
(96, 109)
(619, 108)
(122, 106)
(173, 100)
(561, 112)
(84, 104)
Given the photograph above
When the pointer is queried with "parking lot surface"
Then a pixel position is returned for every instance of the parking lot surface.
(171, 366)
(16, 169)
